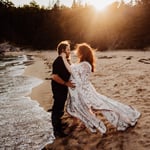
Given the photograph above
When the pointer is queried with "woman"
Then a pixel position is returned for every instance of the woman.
(84, 98)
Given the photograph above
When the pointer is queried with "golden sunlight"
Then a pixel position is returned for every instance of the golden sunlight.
(101, 4)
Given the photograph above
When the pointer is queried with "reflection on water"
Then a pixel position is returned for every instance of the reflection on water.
(23, 125)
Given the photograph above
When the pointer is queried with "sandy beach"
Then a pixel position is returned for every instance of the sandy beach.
(121, 75)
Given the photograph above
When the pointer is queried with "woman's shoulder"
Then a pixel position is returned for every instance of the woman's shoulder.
(85, 64)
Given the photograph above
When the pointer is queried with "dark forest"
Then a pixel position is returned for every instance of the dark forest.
(123, 27)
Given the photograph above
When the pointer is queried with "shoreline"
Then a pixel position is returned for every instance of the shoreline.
(120, 76)
(25, 122)
(40, 93)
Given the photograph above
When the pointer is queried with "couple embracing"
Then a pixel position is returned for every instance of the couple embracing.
(82, 97)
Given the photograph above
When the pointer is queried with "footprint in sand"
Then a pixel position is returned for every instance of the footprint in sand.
(145, 61)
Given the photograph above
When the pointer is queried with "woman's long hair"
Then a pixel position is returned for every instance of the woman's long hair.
(85, 53)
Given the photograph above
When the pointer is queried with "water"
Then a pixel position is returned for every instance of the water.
(24, 125)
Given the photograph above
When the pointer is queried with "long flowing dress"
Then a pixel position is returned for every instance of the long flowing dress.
(84, 97)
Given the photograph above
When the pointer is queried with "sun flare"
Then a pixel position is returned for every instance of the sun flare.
(100, 4)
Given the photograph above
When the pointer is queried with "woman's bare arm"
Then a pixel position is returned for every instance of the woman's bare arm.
(66, 62)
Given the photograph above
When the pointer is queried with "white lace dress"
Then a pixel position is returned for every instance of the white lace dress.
(84, 97)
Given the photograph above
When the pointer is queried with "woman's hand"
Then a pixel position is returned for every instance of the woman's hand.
(63, 55)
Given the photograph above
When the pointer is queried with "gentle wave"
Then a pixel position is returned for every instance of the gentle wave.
(24, 124)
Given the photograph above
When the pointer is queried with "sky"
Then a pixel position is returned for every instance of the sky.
(97, 3)
(40, 2)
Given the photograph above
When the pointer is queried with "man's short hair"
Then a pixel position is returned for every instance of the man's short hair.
(62, 46)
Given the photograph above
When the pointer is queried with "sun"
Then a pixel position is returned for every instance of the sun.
(100, 4)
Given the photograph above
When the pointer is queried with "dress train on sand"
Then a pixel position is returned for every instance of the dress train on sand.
(84, 97)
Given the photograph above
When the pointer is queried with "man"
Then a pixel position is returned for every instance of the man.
(60, 83)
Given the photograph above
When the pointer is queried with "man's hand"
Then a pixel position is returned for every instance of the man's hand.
(70, 84)
(56, 78)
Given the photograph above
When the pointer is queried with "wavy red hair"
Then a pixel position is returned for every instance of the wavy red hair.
(86, 53)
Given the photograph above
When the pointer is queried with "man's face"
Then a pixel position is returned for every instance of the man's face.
(67, 51)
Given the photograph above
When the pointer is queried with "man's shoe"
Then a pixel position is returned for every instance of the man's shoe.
(64, 125)
(49, 110)
(59, 134)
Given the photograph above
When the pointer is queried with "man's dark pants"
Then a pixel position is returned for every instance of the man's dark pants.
(58, 109)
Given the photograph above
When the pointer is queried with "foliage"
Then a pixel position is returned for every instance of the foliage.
(120, 27)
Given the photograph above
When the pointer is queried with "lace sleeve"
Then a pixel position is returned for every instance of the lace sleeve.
(83, 72)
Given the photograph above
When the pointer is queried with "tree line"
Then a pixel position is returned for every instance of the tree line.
(120, 26)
